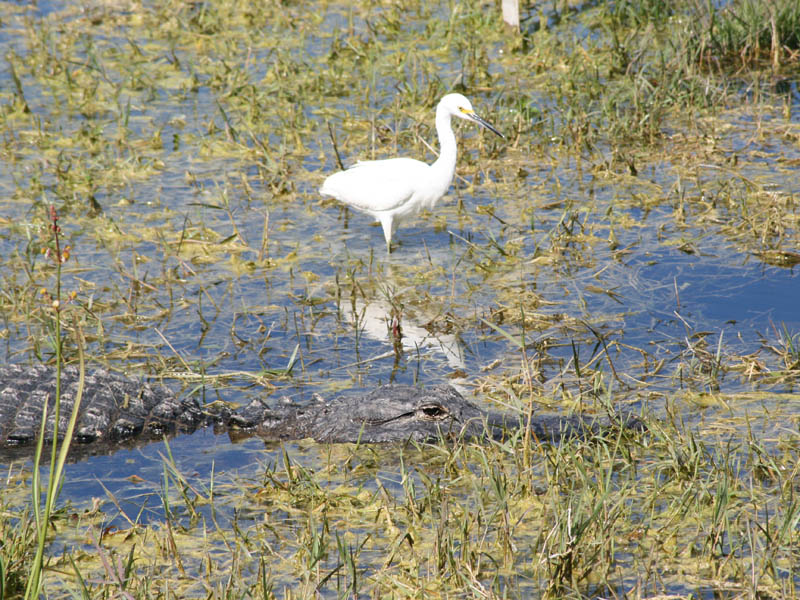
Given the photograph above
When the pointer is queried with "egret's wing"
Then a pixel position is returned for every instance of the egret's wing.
(377, 185)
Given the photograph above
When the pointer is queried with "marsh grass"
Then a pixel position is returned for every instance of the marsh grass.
(182, 144)
(19, 537)
(587, 518)
(746, 33)
(44, 497)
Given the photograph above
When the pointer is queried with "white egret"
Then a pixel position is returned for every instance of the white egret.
(396, 189)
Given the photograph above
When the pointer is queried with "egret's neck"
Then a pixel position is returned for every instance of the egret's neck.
(446, 163)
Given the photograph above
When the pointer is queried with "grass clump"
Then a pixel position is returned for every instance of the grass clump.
(17, 538)
(58, 451)
(22, 553)
(747, 33)
(673, 510)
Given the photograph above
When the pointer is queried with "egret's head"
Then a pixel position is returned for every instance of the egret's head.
(458, 106)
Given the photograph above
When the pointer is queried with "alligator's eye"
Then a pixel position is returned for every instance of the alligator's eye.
(433, 412)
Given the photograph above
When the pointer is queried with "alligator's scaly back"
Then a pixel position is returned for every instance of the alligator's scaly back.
(113, 407)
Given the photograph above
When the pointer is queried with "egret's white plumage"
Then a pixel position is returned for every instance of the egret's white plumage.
(398, 188)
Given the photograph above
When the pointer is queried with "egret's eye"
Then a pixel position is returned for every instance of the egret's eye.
(434, 411)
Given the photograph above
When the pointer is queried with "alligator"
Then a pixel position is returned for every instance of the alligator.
(116, 410)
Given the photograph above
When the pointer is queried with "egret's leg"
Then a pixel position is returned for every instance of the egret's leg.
(388, 230)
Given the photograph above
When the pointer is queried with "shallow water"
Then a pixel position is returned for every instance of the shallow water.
(323, 288)
(216, 305)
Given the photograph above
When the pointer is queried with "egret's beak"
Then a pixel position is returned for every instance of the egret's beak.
(483, 122)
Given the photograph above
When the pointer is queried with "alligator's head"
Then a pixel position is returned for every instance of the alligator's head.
(395, 413)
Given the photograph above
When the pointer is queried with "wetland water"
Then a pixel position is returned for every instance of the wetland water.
(183, 147)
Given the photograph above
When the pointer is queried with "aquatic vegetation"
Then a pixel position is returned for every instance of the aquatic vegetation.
(633, 242)
(748, 33)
